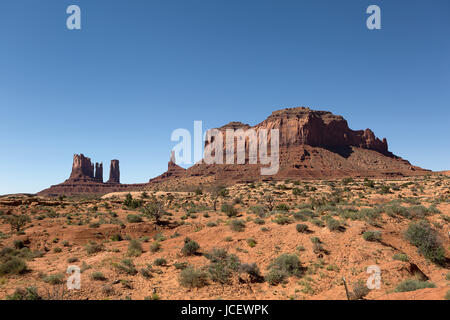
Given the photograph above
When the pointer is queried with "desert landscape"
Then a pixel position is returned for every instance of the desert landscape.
(341, 202)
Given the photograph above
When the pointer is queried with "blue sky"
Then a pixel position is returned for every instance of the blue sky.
(139, 69)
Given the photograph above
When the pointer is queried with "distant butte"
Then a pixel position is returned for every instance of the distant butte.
(313, 145)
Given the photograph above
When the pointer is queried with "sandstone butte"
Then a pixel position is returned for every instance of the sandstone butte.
(313, 145)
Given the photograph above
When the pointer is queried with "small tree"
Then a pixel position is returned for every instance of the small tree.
(219, 192)
(154, 211)
(17, 222)
(270, 202)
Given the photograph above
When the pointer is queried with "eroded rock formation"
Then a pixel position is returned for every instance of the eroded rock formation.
(98, 172)
(82, 168)
(114, 172)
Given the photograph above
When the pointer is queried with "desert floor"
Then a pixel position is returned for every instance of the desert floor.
(320, 231)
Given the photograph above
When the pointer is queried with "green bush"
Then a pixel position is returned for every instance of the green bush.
(134, 218)
(160, 262)
(447, 295)
(29, 293)
(422, 236)
(93, 247)
(229, 210)
(284, 266)
(222, 265)
(372, 236)
(190, 247)
(12, 265)
(253, 272)
(126, 266)
(98, 276)
(282, 219)
(134, 248)
(54, 279)
(333, 224)
(132, 203)
(360, 290)
(401, 257)
(155, 246)
(193, 278)
(302, 228)
(412, 285)
(237, 225)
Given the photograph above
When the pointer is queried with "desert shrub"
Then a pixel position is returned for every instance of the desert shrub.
(134, 218)
(193, 278)
(237, 200)
(397, 210)
(401, 257)
(333, 224)
(251, 242)
(211, 224)
(54, 279)
(12, 265)
(72, 259)
(282, 219)
(132, 203)
(301, 228)
(370, 213)
(93, 247)
(198, 191)
(422, 236)
(284, 266)
(317, 222)
(116, 237)
(18, 244)
(369, 183)
(229, 210)
(107, 290)
(282, 207)
(98, 276)
(237, 225)
(180, 265)
(260, 211)
(222, 265)
(160, 262)
(413, 284)
(146, 272)
(360, 290)
(447, 295)
(303, 214)
(94, 225)
(126, 266)
(253, 272)
(57, 250)
(155, 246)
(372, 236)
(29, 293)
(190, 247)
(275, 277)
(259, 221)
(134, 248)
(297, 192)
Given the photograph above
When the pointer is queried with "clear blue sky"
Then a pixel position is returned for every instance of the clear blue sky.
(139, 69)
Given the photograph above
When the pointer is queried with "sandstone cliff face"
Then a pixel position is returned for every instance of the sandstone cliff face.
(114, 172)
(82, 168)
(303, 126)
